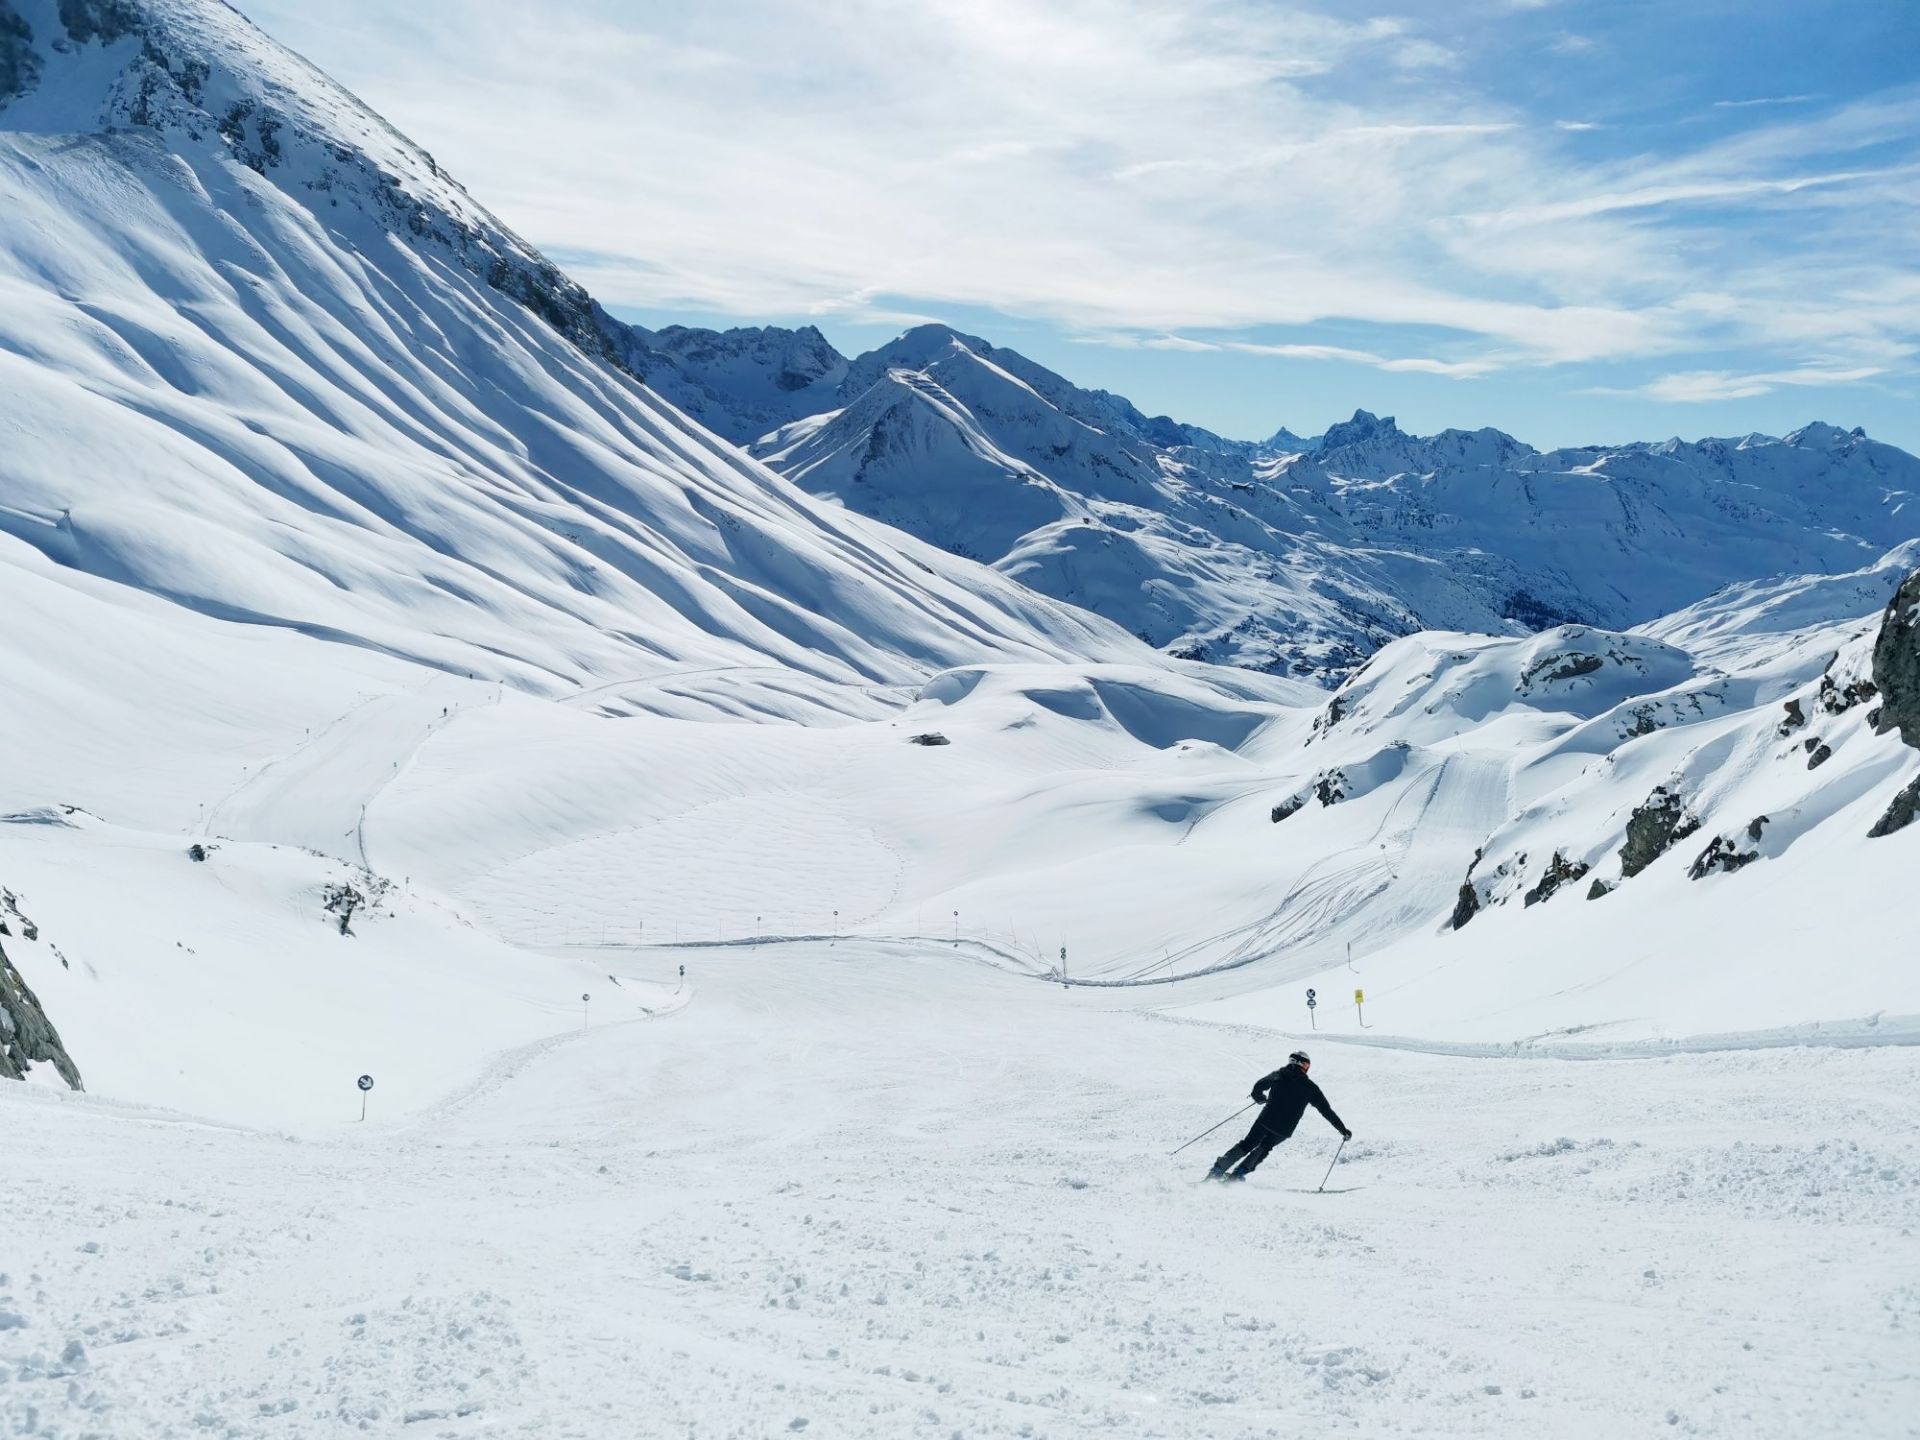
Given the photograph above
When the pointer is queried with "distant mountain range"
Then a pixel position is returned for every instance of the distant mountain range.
(1292, 555)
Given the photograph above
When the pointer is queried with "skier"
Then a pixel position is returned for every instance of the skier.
(1286, 1093)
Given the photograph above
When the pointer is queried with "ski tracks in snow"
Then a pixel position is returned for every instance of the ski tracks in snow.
(855, 1193)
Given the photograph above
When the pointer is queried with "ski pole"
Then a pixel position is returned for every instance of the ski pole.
(1211, 1128)
(1331, 1163)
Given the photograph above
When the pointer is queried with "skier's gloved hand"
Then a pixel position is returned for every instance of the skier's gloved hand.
(1346, 1134)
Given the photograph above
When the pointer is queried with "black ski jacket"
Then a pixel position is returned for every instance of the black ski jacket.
(1286, 1093)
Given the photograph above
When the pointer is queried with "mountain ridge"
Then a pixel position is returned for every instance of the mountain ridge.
(1300, 555)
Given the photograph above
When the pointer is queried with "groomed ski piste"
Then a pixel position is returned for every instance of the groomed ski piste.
(786, 955)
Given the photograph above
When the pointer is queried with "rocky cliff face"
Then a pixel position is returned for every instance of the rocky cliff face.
(1896, 672)
(1654, 828)
(1896, 663)
(27, 1036)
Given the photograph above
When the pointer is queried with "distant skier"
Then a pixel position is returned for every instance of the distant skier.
(1286, 1093)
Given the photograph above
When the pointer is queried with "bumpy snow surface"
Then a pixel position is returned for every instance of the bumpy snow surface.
(785, 953)
(877, 1191)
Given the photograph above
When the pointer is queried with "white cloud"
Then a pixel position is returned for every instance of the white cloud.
(1416, 364)
(1763, 100)
(1570, 43)
(1700, 386)
(1123, 165)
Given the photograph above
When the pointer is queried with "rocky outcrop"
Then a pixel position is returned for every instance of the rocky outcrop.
(27, 1036)
(1287, 808)
(1818, 752)
(1896, 672)
(928, 738)
(1335, 712)
(1466, 905)
(1560, 667)
(1560, 871)
(1496, 887)
(345, 898)
(1901, 813)
(1724, 855)
(1838, 699)
(1654, 828)
(1896, 663)
(1796, 717)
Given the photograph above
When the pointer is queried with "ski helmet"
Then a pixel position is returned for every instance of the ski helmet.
(1300, 1057)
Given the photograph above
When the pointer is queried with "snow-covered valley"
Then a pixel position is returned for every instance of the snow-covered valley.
(786, 948)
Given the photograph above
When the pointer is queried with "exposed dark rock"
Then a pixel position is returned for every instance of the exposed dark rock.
(1330, 786)
(27, 1036)
(1641, 721)
(1796, 717)
(1654, 828)
(1288, 807)
(102, 20)
(1724, 854)
(197, 852)
(10, 905)
(928, 737)
(1466, 905)
(1562, 667)
(1896, 663)
(1599, 888)
(1560, 871)
(344, 899)
(1335, 712)
(1838, 699)
(19, 61)
(1901, 813)
(1818, 753)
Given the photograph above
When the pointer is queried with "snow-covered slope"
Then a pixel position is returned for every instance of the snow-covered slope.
(703, 873)
(1302, 556)
(259, 355)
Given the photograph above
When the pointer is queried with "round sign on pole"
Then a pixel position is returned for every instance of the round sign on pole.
(586, 997)
(365, 1082)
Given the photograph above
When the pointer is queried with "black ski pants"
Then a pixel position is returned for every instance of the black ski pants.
(1250, 1151)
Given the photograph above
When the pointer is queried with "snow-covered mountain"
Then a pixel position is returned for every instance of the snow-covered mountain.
(1296, 555)
(395, 685)
(261, 356)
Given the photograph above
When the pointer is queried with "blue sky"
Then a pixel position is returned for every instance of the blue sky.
(1576, 221)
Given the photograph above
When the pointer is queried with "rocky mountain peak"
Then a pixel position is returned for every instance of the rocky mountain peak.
(1821, 436)
(1364, 426)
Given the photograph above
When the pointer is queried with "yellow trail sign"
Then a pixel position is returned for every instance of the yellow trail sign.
(1359, 997)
